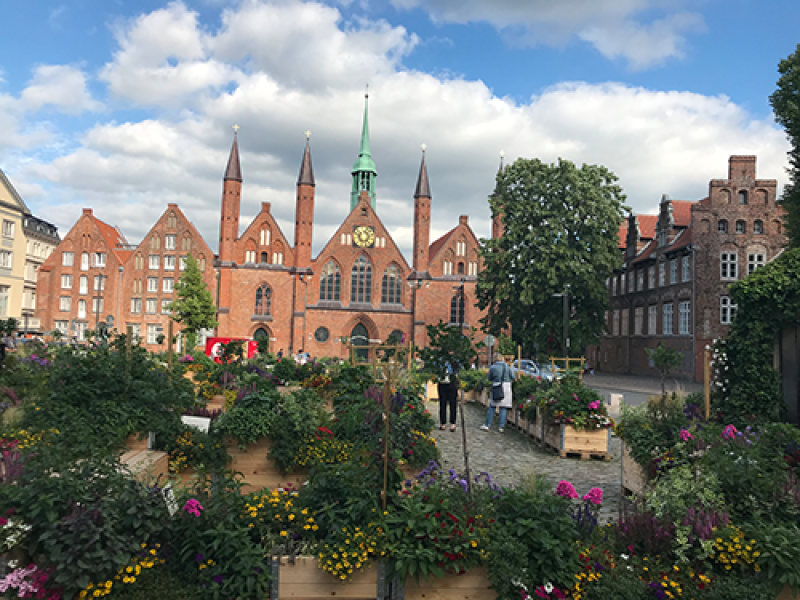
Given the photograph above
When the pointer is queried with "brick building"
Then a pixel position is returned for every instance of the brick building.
(359, 287)
(673, 285)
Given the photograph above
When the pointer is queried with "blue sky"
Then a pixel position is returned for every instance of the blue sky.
(126, 106)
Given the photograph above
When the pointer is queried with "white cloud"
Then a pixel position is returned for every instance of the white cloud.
(58, 86)
(611, 26)
(656, 142)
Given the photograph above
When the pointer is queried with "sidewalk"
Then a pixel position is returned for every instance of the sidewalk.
(638, 383)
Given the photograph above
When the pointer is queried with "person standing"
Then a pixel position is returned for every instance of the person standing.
(447, 387)
(500, 376)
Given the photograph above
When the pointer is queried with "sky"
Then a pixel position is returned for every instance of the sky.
(124, 106)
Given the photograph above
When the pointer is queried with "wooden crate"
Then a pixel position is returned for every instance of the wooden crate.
(431, 391)
(132, 442)
(472, 585)
(566, 440)
(634, 479)
(144, 464)
(304, 579)
(257, 469)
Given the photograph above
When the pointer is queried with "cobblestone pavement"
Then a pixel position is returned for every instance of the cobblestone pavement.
(511, 456)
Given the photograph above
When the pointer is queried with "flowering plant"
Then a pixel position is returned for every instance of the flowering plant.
(570, 402)
(451, 525)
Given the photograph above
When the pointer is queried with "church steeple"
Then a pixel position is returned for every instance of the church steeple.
(364, 172)
(234, 170)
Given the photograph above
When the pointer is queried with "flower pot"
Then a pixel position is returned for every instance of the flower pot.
(634, 478)
(305, 579)
(257, 469)
(471, 585)
(587, 443)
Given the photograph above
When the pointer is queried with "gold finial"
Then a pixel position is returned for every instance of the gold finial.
(424, 147)
(308, 134)
(502, 153)
(235, 129)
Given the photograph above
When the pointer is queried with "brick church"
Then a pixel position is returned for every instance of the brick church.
(358, 288)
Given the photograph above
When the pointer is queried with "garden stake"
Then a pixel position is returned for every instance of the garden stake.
(464, 443)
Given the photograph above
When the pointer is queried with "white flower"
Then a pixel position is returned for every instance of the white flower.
(624, 556)
(12, 564)
(548, 587)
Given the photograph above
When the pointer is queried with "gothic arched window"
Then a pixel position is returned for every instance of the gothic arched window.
(263, 301)
(457, 309)
(361, 281)
(330, 282)
(391, 286)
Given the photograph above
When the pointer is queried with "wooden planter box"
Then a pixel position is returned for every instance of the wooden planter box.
(257, 469)
(304, 579)
(285, 389)
(472, 585)
(431, 391)
(132, 442)
(146, 464)
(565, 440)
(786, 594)
(634, 479)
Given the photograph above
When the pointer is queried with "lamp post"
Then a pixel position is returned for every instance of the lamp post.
(305, 278)
(97, 300)
(565, 297)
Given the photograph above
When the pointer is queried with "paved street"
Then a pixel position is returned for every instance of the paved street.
(510, 457)
(634, 388)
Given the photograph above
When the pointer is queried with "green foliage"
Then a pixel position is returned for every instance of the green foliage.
(233, 563)
(665, 360)
(99, 394)
(681, 488)
(532, 542)
(506, 345)
(570, 402)
(193, 306)
(87, 517)
(249, 421)
(474, 380)
(785, 103)
(649, 431)
(561, 225)
(285, 370)
(781, 554)
(164, 582)
(748, 387)
(448, 344)
(297, 416)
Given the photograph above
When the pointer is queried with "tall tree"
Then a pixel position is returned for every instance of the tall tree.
(193, 306)
(786, 105)
(561, 226)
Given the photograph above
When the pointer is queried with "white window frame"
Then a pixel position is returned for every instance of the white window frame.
(8, 229)
(83, 285)
(638, 320)
(65, 304)
(154, 262)
(667, 318)
(84, 261)
(169, 262)
(136, 306)
(727, 310)
(81, 309)
(152, 285)
(6, 259)
(728, 266)
(99, 283)
(95, 301)
(662, 274)
(61, 326)
(66, 282)
(673, 271)
(99, 259)
(152, 333)
(684, 317)
(165, 303)
(686, 268)
(250, 256)
(170, 241)
(150, 306)
(754, 261)
(652, 319)
(168, 285)
(67, 259)
(265, 235)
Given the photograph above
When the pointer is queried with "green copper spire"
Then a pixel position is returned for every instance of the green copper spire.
(364, 172)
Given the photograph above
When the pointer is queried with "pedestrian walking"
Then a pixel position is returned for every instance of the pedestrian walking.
(447, 387)
(500, 376)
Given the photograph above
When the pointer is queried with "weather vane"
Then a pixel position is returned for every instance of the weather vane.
(308, 134)
(424, 147)
(235, 129)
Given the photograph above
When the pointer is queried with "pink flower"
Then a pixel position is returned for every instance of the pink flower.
(594, 405)
(595, 496)
(193, 507)
(686, 436)
(566, 489)
(540, 592)
(729, 432)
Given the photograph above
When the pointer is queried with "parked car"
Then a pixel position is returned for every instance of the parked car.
(532, 369)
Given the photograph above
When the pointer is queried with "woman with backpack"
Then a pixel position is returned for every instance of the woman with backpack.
(500, 376)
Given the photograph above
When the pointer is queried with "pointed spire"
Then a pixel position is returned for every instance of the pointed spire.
(364, 171)
(423, 187)
(234, 170)
(306, 176)
(365, 129)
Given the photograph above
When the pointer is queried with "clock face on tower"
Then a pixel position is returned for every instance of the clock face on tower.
(363, 236)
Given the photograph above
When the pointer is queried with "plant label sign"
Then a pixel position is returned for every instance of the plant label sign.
(201, 423)
(169, 499)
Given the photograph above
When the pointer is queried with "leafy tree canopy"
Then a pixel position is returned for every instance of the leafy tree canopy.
(786, 105)
(447, 344)
(561, 228)
(193, 306)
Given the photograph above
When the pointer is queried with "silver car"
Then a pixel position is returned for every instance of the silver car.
(532, 369)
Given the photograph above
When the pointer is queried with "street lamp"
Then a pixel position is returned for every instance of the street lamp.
(415, 281)
(305, 278)
(565, 296)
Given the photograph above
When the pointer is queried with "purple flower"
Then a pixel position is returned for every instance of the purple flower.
(217, 578)
(193, 507)
(199, 557)
(686, 436)
(729, 432)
